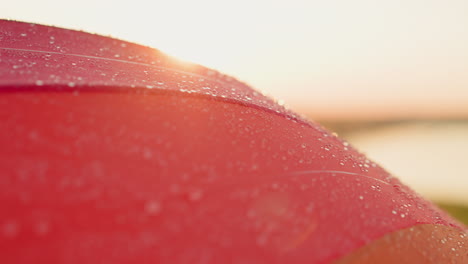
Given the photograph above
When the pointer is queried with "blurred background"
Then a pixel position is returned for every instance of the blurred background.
(391, 77)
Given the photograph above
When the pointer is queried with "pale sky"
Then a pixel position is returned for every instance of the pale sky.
(332, 59)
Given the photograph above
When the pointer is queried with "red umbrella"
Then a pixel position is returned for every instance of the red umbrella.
(112, 152)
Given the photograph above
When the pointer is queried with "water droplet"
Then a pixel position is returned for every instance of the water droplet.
(262, 240)
(117, 55)
(152, 207)
(39, 83)
(33, 135)
(185, 177)
(10, 229)
(251, 213)
(361, 197)
(24, 34)
(71, 84)
(310, 208)
(402, 215)
(211, 73)
(394, 212)
(195, 195)
(174, 188)
(149, 86)
(42, 228)
(147, 154)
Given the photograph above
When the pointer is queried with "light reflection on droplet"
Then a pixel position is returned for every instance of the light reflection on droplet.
(42, 228)
(195, 195)
(10, 229)
(152, 207)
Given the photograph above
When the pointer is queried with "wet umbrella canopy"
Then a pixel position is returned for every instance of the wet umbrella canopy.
(112, 152)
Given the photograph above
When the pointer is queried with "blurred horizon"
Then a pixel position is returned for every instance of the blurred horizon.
(428, 155)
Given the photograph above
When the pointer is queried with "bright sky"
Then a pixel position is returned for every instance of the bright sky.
(332, 59)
